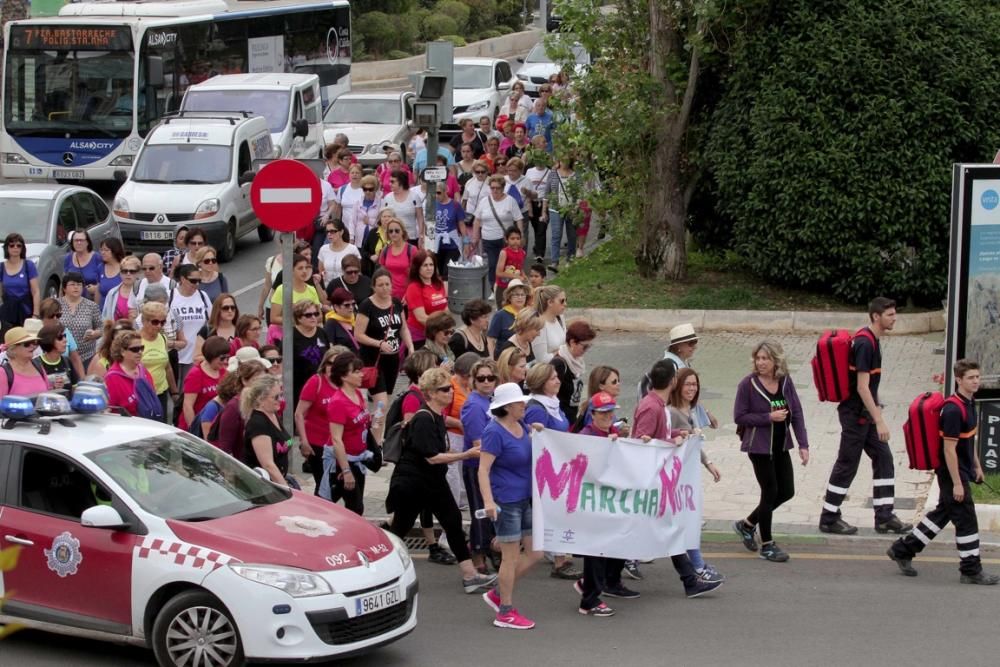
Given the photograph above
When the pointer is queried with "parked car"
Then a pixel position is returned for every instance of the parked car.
(370, 120)
(537, 66)
(480, 87)
(45, 214)
(135, 532)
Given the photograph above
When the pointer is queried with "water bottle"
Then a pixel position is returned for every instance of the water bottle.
(379, 411)
(481, 513)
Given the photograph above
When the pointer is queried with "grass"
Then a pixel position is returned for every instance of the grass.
(982, 495)
(608, 278)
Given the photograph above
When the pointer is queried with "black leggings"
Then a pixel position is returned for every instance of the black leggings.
(777, 485)
(354, 500)
(407, 499)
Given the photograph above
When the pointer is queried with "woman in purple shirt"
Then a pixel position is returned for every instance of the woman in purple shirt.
(475, 416)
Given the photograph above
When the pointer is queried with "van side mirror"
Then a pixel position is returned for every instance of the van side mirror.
(504, 85)
(154, 71)
(120, 175)
(520, 60)
(300, 128)
(247, 177)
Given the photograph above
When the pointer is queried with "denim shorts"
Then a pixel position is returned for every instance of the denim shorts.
(514, 521)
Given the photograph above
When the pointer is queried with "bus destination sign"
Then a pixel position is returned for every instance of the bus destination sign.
(71, 38)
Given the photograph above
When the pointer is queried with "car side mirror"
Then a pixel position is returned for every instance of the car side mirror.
(300, 128)
(263, 474)
(520, 60)
(505, 85)
(120, 175)
(247, 177)
(102, 516)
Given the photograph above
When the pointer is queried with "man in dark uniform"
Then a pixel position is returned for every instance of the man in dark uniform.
(960, 467)
(864, 430)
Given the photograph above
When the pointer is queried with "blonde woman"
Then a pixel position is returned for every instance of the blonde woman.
(527, 327)
(155, 350)
(512, 366)
(213, 283)
(550, 302)
(360, 205)
(265, 442)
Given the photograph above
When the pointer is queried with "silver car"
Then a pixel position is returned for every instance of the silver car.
(45, 214)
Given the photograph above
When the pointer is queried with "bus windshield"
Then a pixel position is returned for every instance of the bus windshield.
(62, 92)
(271, 104)
(182, 163)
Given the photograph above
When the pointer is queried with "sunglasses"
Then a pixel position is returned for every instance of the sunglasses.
(210, 260)
(61, 336)
(135, 350)
(486, 378)
(444, 390)
(229, 307)
(368, 189)
(481, 172)
(195, 243)
(193, 281)
(311, 313)
(15, 245)
(130, 272)
(352, 272)
(274, 360)
(54, 316)
(449, 333)
(157, 323)
(395, 231)
(31, 344)
(395, 160)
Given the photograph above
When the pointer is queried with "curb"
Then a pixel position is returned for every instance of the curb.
(744, 321)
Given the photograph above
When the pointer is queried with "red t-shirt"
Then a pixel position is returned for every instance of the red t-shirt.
(398, 267)
(353, 417)
(121, 389)
(515, 259)
(432, 298)
(412, 401)
(319, 393)
(203, 386)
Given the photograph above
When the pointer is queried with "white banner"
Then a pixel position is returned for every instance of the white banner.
(616, 498)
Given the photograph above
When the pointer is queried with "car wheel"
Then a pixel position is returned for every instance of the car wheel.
(229, 245)
(52, 289)
(264, 233)
(194, 628)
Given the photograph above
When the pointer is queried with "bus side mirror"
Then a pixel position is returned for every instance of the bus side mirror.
(300, 128)
(154, 71)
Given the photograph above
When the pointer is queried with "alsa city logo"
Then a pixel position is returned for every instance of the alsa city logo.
(91, 145)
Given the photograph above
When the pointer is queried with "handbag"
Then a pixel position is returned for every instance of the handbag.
(375, 462)
(369, 374)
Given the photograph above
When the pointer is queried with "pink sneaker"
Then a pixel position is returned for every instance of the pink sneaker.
(513, 620)
(492, 598)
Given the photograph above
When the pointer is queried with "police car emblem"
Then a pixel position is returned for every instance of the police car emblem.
(64, 556)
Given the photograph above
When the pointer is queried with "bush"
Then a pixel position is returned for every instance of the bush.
(504, 30)
(489, 34)
(832, 147)
(397, 54)
(458, 11)
(510, 13)
(437, 25)
(376, 31)
(407, 30)
(457, 40)
(482, 15)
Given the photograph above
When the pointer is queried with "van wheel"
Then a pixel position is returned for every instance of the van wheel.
(52, 289)
(229, 246)
(264, 233)
(194, 628)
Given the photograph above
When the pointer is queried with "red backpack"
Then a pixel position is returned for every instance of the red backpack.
(832, 366)
(922, 430)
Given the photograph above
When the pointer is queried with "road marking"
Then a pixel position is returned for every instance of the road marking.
(854, 557)
(285, 196)
(244, 290)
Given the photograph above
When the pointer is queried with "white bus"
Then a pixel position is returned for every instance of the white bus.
(82, 89)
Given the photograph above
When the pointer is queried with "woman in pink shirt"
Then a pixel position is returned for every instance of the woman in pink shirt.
(311, 423)
(202, 382)
(396, 256)
(29, 377)
(126, 355)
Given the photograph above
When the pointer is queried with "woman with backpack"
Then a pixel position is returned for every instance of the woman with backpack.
(202, 381)
(156, 352)
(237, 376)
(21, 374)
(125, 372)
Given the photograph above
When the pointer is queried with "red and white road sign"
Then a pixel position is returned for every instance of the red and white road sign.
(285, 195)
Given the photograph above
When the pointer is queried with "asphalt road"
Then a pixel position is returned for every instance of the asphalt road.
(826, 606)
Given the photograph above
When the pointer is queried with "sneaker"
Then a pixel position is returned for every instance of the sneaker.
(701, 587)
(981, 579)
(492, 598)
(553, 268)
(602, 610)
(441, 556)
(631, 570)
(746, 533)
(578, 586)
(620, 591)
(710, 574)
(772, 552)
(539, 259)
(477, 582)
(893, 525)
(565, 571)
(905, 564)
(513, 620)
(838, 527)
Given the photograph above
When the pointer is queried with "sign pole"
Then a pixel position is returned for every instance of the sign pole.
(287, 328)
(430, 207)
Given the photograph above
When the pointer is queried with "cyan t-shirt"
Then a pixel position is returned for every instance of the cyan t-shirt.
(510, 475)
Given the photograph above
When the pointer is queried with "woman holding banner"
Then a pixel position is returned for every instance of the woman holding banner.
(505, 481)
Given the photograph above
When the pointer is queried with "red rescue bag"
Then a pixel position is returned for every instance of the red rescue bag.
(922, 430)
(832, 364)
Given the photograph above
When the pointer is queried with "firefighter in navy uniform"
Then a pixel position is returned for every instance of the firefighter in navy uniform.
(960, 468)
(863, 429)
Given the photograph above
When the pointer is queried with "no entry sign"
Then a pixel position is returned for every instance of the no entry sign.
(285, 195)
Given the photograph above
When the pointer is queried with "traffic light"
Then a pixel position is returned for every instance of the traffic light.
(430, 87)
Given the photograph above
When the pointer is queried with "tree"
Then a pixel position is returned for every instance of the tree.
(632, 114)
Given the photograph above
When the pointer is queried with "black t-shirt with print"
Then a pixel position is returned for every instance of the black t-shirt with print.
(383, 323)
(259, 424)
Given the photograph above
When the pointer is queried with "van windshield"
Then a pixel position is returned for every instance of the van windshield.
(183, 163)
(271, 104)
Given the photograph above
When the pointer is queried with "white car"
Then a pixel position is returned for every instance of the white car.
(369, 120)
(537, 67)
(480, 86)
(135, 532)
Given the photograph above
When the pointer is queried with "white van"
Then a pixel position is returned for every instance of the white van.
(290, 103)
(194, 169)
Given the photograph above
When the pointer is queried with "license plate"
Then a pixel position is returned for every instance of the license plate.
(376, 601)
(67, 173)
(156, 236)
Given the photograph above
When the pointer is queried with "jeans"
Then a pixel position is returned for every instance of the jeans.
(556, 224)
(492, 250)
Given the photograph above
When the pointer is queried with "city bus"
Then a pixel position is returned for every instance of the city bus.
(83, 89)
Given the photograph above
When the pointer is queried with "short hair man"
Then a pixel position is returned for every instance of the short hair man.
(960, 467)
(863, 429)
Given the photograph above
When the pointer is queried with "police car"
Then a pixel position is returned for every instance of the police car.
(133, 531)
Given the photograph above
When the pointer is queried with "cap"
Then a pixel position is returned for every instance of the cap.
(18, 335)
(603, 402)
(682, 333)
(245, 354)
(506, 394)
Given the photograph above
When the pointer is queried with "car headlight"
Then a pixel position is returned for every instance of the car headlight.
(479, 106)
(206, 209)
(295, 582)
(522, 77)
(122, 161)
(120, 207)
(399, 546)
(14, 158)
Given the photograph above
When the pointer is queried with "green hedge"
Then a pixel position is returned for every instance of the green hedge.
(830, 152)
